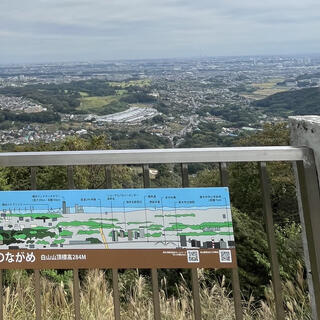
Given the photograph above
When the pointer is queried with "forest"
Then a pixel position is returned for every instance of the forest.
(66, 97)
(297, 102)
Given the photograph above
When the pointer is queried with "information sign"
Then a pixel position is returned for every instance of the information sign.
(127, 228)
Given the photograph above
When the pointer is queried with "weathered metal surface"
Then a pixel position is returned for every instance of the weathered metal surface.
(268, 217)
(147, 156)
(235, 273)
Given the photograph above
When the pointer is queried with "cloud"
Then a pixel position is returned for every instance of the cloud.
(151, 27)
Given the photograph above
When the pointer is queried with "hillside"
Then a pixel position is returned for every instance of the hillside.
(298, 102)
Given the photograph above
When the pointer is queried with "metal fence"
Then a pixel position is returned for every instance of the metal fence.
(308, 195)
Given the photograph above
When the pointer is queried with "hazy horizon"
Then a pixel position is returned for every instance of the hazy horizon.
(96, 61)
(44, 31)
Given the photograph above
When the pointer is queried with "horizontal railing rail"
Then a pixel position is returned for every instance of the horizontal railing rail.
(147, 156)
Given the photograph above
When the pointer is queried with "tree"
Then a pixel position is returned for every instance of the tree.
(245, 181)
(251, 244)
(85, 177)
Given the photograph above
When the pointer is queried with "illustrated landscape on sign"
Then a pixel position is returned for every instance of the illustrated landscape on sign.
(116, 219)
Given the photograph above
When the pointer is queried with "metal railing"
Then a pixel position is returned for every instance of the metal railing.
(308, 194)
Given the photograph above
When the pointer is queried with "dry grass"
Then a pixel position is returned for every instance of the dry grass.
(136, 299)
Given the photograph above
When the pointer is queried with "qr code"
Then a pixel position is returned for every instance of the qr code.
(225, 256)
(193, 256)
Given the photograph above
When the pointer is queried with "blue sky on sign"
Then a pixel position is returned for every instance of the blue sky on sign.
(117, 199)
(69, 30)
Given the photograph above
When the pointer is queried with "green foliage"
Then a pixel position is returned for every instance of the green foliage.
(207, 135)
(41, 117)
(273, 134)
(290, 250)
(102, 105)
(75, 97)
(4, 185)
(138, 139)
(298, 102)
(64, 97)
(129, 280)
(167, 177)
(85, 177)
(138, 97)
(251, 243)
(58, 276)
(252, 253)
(245, 182)
(113, 107)
(208, 177)
(163, 108)
(239, 116)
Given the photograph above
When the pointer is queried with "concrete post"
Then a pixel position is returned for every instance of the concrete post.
(305, 131)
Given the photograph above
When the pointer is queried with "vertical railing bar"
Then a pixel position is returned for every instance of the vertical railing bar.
(115, 273)
(37, 279)
(108, 177)
(155, 294)
(37, 289)
(185, 175)
(309, 195)
(76, 294)
(71, 184)
(33, 178)
(146, 176)
(76, 281)
(1, 294)
(235, 273)
(268, 217)
(154, 271)
(116, 294)
(307, 263)
(194, 271)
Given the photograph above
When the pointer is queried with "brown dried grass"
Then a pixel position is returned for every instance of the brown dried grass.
(136, 300)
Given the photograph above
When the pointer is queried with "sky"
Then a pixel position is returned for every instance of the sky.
(87, 30)
(159, 197)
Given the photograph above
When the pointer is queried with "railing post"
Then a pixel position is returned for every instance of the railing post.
(309, 198)
(194, 271)
(76, 281)
(116, 294)
(268, 217)
(115, 274)
(1, 295)
(37, 287)
(235, 273)
(154, 271)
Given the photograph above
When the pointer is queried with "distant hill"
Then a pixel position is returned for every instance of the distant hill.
(297, 102)
(308, 76)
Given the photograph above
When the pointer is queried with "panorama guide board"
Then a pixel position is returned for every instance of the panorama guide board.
(127, 228)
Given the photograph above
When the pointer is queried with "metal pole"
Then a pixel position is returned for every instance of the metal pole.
(76, 281)
(116, 294)
(76, 294)
(155, 294)
(108, 177)
(268, 216)
(37, 278)
(235, 273)
(310, 201)
(37, 289)
(1, 295)
(115, 274)
(154, 271)
(194, 271)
